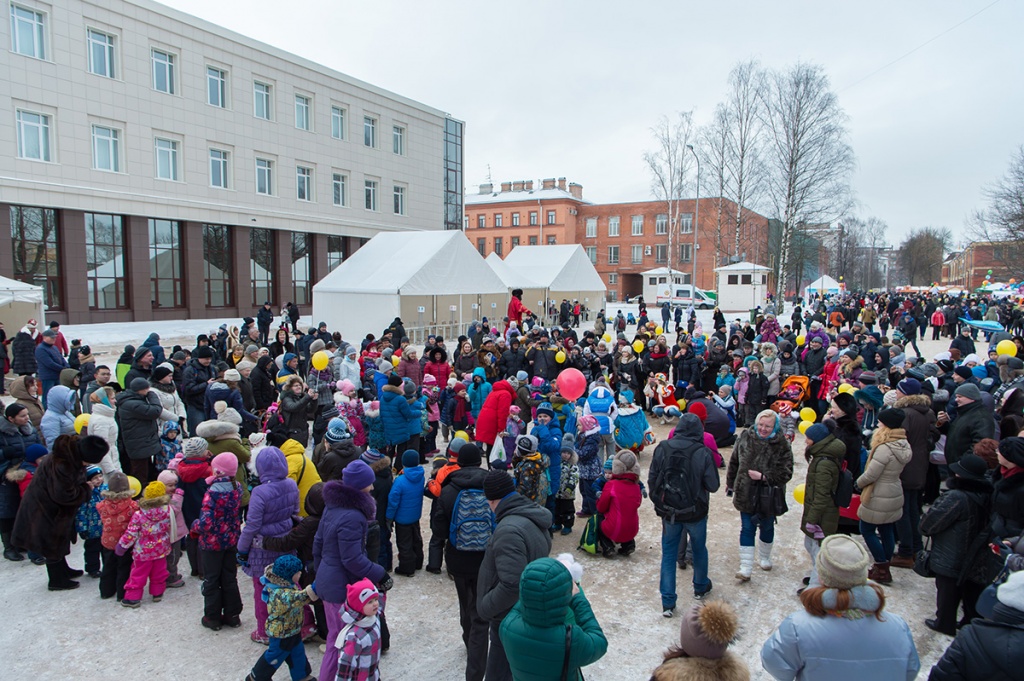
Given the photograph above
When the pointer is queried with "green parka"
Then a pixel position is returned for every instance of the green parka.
(822, 477)
(533, 633)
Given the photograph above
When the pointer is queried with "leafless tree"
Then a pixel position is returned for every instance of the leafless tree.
(808, 160)
(921, 254)
(669, 163)
(713, 150)
(1003, 219)
(745, 141)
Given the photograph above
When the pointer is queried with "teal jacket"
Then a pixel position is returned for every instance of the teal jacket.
(533, 633)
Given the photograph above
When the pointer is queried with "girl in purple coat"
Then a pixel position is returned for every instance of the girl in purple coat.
(271, 507)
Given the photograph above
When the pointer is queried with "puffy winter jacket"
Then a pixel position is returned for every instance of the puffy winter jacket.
(23, 354)
(57, 419)
(264, 391)
(494, 412)
(293, 410)
(533, 634)
(954, 522)
(688, 367)
(300, 469)
(405, 501)
(195, 379)
(149, 530)
(881, 499)
(49, 362)
(103, 425)
(330, 458)
(219, 521)
(700, 470)
(272, 503)
(478, 391)
(972, 424)
(411, 370)
(990, 649)
(771, 456)
(339, 548)
(512, 362)
(300, 538)
(619, 505)
(397, 414)
(822, 477)
(464, 563)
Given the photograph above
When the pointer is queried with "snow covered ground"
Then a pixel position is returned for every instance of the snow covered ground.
(75, 634)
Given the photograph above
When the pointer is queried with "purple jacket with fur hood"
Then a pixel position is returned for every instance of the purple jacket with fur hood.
(271, 507)
(339, 549)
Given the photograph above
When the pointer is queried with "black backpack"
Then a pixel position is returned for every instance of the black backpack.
(672, 494)
(844, 488)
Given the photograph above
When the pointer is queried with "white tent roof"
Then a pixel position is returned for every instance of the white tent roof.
(14, 291)
(512, 278)
(742, 266)
(414, 263)
(557, 268)
(824, 283)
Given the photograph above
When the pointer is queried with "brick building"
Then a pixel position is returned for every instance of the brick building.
(622, 239)
(968, 268)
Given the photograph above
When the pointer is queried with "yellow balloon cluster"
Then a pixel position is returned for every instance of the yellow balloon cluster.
(804, 425)
(638, 346)
(847, 388)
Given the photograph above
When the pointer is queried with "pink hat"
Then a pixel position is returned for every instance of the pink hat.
(514, 410)
(361, 593)
(224, 463)
(346, 386)
(429, 379)
(168, 477)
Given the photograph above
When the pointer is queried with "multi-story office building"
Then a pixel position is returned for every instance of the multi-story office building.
(156, 166)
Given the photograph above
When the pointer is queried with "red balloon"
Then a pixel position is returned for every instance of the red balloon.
(571, 384)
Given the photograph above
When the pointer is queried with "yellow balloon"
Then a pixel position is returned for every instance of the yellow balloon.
(394, 361)
(560, 356)
(808, 414)
(638, 346)
(804, 425)
(320, 360)
(607, 338)
(682, 404)
(1007, 347)
(798, 492)
(659, 330)
(81, 422)
(462, 435)
(135, 486)
(847, 388)
(800, 339)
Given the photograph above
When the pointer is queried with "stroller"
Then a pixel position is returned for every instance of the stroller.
(792, 393)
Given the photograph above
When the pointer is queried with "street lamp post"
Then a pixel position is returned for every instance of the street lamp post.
(696, 226)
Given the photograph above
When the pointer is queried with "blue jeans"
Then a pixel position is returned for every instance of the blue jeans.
(881, 549)
(666, 411)
(670, 536)
(589, 504)
(46, 389)
(750, 524)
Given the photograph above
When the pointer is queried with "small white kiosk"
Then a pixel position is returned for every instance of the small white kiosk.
(742, 286)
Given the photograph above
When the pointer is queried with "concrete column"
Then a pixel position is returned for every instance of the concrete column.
(6, 243)
(136, 254)
(241, 277)
(282, 274)
(317, 257)
(193, 269)
(73, 267)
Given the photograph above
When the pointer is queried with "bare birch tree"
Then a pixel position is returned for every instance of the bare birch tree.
(669, 163)
(1003, 220)
(713, 150)
(745, 141)
(808, 160)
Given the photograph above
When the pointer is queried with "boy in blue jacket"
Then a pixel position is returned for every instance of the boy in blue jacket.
(405, 506)
(549, 443)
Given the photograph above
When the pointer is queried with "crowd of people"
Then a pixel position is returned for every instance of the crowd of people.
(309, 460)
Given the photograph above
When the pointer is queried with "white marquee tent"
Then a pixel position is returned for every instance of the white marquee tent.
(824, 285)
(552, 272)
(430, 279)
(20, 302)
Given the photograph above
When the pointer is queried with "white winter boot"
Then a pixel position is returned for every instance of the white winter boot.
(746, 563)
(765, 555)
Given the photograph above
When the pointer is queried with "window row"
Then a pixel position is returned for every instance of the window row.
(637, 225)
(516, 220)
(499, 244)
(29, 37)
(640, 251)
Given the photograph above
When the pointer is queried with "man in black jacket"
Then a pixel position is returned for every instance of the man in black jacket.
(197, 376)
(264, 318)
(681, 479)
(138, 410)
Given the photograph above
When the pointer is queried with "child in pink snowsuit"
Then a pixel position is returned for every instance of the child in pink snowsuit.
(150, 532)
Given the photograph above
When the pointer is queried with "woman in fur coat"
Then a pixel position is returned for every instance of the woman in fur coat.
(703, 651)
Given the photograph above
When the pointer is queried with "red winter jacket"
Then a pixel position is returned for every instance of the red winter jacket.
(439, 370)
(620, 505)
(494, 412)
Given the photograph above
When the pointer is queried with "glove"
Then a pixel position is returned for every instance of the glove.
(815, 530)
(120, 550)
(728, 491)
(243, 558)
(385, 584)
(193, 534)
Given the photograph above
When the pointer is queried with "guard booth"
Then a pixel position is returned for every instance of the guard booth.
(742, 286)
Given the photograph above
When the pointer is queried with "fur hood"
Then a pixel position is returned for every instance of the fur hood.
(127, 494)
(16, 474)
(8, 428)
(217, 430)
(729, 668)
(382, 464)
(573, 460)
(396, 389)
(914, 401)
(155, 502)
(339, 495)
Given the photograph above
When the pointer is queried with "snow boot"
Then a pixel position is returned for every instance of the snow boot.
(764, 551)
(746, 563)
(879, 572)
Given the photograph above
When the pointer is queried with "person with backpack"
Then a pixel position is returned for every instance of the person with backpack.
(463, 508)
(820, 519)
(681, 479)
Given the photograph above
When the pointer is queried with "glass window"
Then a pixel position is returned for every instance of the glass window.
(637, 252)
(28, 32)
(303, 183)
(591, 228)
(101, 53)
(337, 123)
(261, 101)
(370, 194)
(106, 279)
(686, 278)
(481, 220)
(163, 71)
(613, 226)
(686, 223)
(638, 225)
(515, 242)
(552, 240)
(264, 177)
(106, 148)
(370, 131)
(261, 265)
(453, 187)
(335, 254)
(661, 224)
(219, 168)
(340, 189)
(733, 279)
(166, 159)
(685, 252)
(592, 253)
(302, 112)
(398, 140)
(218, 268)
(481, 246)
(745, 279)
(515, 219)
(399, 200)
(660, 253)
(613, 278)
(36, 251)
(533, 241)
(216, 87)
(33, 135)
(551, 217)
(533, 218)
(165, 267)
(613, 255)
(300, 269)
(499, 246)
(497, 220)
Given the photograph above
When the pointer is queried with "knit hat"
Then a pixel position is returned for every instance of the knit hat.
(168, 477)
(194, 447)
(337, 430)
(624, 462)
(930, 369)
(226, 413)
(498, 485)
(909, 386)
(203, 352)
(699, 410)
(384, 366)
(586, 423)
(945, 364)
(514, 410)
(545, 408)
(1012, 449)
(842, 563)
(963, 372)
(609, 465)
(357, 474)
(408, 387)
(868, 378)
(969, 467)
(138, 384)
(225, 463)
(257, 440)
(157, 489)
(969, 390)
(361, 593)
(889, 398)
(707, 629)
(371, 456)
(469, 456)
(527, 444)
(160, 373)
(429, 379)
(522, 377)
(1011, 592)
(410, 458)
(286, 566)
(34, 452)
(232, 375)
(568, 443)
(118, 483)
(456, 444)
(892, 418)
(817, 432)
(92, 470)
(92, 449)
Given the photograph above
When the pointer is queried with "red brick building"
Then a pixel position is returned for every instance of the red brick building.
(968, 268)
(622, 239)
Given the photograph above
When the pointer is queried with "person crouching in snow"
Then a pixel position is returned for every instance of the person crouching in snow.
(150, 532)
(359, 641)
(285, 601)
(619, 506)
(663, 398)
(703, 651)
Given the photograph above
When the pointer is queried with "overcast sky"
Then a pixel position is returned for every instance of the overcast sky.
(553, 89)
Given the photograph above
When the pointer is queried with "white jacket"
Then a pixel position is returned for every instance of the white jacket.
(174, 408)
(102, 424)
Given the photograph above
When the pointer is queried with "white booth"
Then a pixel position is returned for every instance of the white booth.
(553, 272)
(742, 286)
(20, 302)
(823, 285)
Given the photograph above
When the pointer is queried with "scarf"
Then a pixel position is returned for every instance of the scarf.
(863, 601)
(884, 435)
(364, 622)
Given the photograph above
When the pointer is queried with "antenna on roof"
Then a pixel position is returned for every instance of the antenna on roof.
(489, 180)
